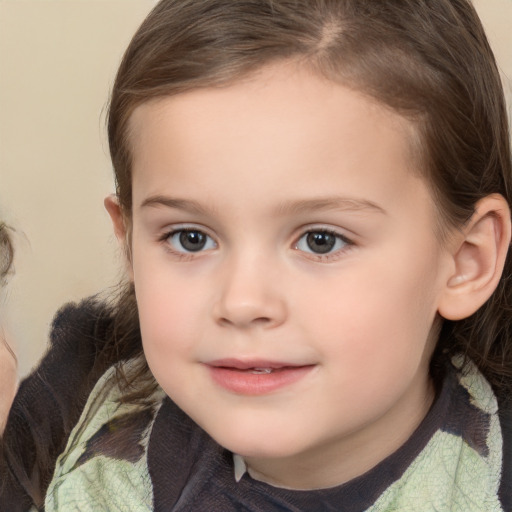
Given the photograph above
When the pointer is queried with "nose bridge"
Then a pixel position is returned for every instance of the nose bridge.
(249, 293)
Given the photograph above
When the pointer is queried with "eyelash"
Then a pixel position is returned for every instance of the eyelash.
(183, 255)
(331, 255)
(317, 256)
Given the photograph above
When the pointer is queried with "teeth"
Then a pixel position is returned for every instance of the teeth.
(261, 371)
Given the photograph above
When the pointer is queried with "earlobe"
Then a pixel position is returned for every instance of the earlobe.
(119, 224)
(479, 257)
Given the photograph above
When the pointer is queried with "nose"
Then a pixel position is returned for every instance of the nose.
(250, 294)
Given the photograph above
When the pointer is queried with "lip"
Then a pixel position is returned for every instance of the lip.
(236, 376)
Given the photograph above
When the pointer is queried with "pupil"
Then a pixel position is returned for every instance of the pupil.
(192, 240)
(321, 243)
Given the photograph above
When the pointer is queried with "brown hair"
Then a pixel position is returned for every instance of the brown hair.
(429, 60)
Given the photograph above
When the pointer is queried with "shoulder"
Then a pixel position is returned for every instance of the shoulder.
(506, 427)
(460, 467)
(49, 401)
(82, 327)
(56, 390)
(104, 465)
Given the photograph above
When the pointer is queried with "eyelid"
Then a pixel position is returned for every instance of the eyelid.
(172, 230)
(185, 226)
(339, 233)
(344, 234)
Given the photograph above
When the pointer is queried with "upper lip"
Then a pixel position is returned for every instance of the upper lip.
(239, 364)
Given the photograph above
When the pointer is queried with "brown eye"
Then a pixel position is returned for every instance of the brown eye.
(321, 242)
(190, 240)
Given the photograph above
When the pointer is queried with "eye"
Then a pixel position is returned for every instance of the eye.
(190, 240)
(321, 242)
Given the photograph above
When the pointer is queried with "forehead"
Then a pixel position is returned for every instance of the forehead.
(284, 125)
(288, 89)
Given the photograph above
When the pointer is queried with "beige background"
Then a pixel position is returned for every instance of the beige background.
(57, 61)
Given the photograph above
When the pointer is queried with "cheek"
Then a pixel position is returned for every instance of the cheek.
(167, 336)
(373, 340)
(169, 314)
(379, 317)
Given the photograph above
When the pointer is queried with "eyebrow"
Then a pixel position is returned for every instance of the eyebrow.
(329, 203)
(179, 204)
(286, 208)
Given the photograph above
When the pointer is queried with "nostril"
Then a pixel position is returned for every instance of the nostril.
(225, 322)
(262, 320)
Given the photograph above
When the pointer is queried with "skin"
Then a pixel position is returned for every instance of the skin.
(8, 380)
(255, 166)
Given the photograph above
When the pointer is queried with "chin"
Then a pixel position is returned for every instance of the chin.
(259, 446)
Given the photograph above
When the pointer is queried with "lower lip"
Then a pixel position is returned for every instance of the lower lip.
(247, 383)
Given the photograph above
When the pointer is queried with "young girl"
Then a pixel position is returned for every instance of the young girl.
(314, 199)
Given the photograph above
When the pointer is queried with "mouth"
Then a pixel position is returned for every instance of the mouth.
(261, 371)
(256, 377)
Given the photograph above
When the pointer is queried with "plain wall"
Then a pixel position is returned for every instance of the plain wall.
(57, 62)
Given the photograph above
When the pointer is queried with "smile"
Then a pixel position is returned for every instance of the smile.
(255, 377)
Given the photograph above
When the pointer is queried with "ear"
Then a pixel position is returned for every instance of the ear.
(479, 254)
(120, 226)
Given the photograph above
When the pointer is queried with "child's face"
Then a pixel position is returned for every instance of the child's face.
(287, 271)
